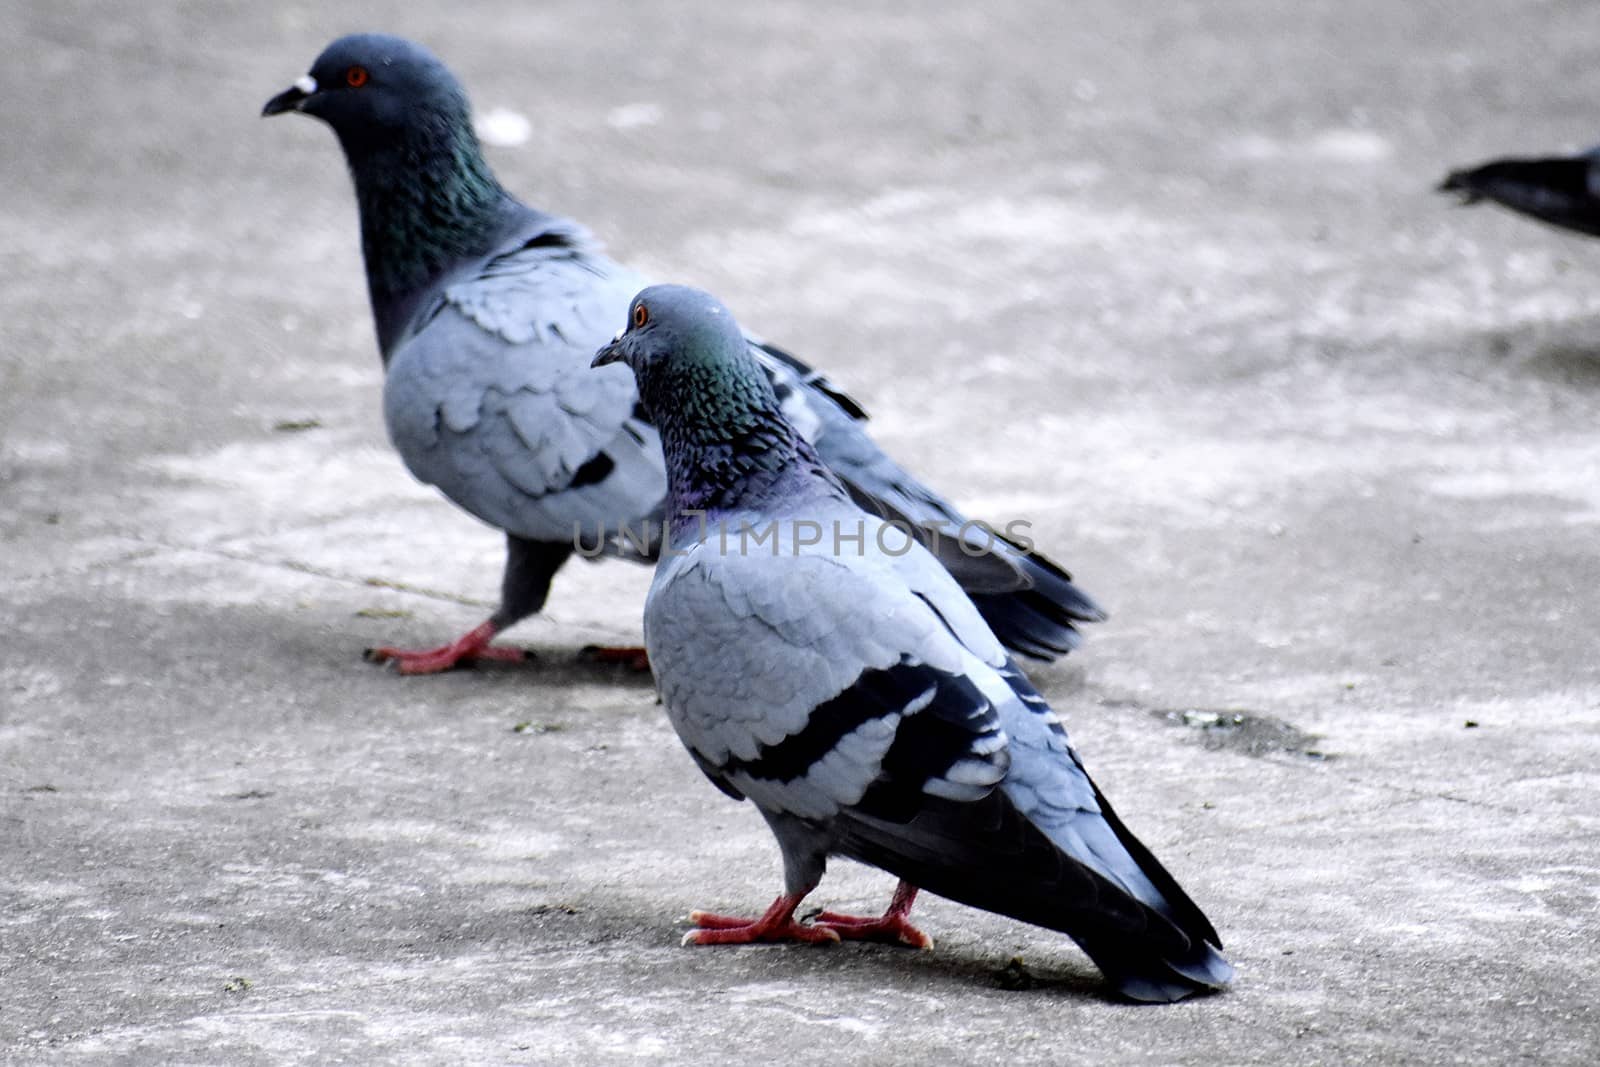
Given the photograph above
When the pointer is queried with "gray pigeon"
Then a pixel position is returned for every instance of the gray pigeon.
(487, 313)
(817, 661)
(1561, 190)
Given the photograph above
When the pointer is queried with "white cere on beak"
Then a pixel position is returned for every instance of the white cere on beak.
(619, 334)
(306, 84)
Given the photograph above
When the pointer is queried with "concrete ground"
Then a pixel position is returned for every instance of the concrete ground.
(1168, 283)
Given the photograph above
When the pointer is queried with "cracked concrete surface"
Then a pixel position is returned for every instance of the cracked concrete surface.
(1170, 284)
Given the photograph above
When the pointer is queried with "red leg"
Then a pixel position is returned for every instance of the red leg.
(473, 646)
(631, 656)
(892, 926)
(776, 925)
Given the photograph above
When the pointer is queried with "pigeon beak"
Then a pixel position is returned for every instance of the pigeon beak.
(611, 353)
(292, 98)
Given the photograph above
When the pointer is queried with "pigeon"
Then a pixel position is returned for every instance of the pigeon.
(816, 660)
(487, 313)
(1561, 190)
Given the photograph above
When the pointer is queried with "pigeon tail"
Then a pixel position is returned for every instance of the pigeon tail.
(1157, 978)
(1029, 602)
(990, 855)
(1041, 621)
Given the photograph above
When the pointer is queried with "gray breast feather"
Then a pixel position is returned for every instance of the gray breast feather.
(493, 402)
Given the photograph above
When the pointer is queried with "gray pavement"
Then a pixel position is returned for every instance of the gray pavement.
(1165, 280)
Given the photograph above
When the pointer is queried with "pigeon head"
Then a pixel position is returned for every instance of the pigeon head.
(428, 199)
(374, 89)
(673, 326)
(726, 441)
(691, 360)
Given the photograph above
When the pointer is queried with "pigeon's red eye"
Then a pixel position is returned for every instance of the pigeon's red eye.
(356, 77)
(641, 315)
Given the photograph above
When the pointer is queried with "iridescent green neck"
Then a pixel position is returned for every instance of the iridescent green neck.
(727, 447)
(428, 200)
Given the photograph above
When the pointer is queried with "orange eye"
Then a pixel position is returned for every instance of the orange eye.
(641, 315)
(356, 77)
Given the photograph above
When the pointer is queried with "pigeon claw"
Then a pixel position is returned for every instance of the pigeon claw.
(892, 927)
(889, 929)
(471, 648)
(777, 925)
(753, 931)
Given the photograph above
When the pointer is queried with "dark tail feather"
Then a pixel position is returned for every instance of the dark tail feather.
(1029, 602)
(1154, 978)
(1039, 621)
(1161, 979)
(1177, 905)
(988, 855)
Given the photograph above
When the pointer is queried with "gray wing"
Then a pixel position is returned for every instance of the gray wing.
(492, 400)
(1046, 846)
(1045, 781)
(806, 682)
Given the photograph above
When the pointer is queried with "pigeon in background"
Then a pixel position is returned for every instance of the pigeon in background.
(487, 314)
(844, 683)
(1561, 190)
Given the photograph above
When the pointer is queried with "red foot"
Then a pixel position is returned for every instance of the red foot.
(776, 925)
(892, 926)
(631, 656)
(474, 646)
